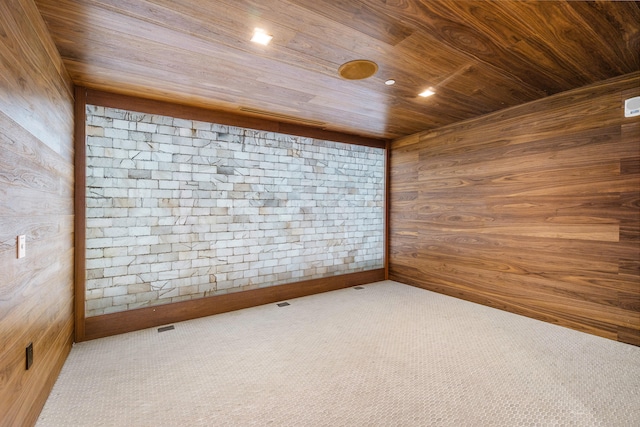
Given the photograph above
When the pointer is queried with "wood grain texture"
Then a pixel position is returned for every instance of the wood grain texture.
(36, 199)
(80, 205)
(132, 320)
(534, 210)
(479, 56)
(387, 205)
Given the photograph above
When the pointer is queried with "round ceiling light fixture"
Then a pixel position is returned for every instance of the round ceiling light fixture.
(358, 69)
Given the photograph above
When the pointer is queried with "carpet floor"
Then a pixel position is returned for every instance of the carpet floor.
(387, 354)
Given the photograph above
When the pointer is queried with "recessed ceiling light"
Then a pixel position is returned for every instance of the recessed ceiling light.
(390, 82)
(261, 37)
(427, 92)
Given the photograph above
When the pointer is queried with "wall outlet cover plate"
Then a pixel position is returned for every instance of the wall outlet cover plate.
(22, 246)
(29, 355)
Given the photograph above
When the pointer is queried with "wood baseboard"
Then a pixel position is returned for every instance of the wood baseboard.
(148, 317)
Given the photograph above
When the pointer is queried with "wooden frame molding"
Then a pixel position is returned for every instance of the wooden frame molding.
(131, 320)
(80, 214)
(387, 206)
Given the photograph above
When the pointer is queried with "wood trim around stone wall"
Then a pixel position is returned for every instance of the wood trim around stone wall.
(127, 321)
(80, 222)
(387, 207)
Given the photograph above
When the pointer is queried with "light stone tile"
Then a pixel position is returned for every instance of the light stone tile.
(146, 297)
(188, 290)
(112, 309)
(170, 293)
(98, 303)
(122, 260)
(139, 268)
(137, 288)
(147, 277)
(115, 291)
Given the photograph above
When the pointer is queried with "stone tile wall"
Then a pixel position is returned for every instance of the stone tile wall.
(180, 209)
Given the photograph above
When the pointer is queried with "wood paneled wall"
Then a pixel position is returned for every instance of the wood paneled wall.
(36, 199)
(534, 210)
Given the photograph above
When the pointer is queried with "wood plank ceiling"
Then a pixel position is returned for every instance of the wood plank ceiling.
(479, 56)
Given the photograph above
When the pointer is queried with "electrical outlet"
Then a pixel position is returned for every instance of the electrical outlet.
(29, 355)
(22, 246)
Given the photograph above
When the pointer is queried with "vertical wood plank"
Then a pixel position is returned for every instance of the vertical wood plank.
(387, 206)
(80, 201)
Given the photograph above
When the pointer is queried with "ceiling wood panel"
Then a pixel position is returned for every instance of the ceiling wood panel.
(479, 56)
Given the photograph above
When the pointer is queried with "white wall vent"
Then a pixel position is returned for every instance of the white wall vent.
(632, 107)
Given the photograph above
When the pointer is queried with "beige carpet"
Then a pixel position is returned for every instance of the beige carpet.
(385, 355)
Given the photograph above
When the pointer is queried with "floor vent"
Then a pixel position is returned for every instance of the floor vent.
(166, 328)
(283, 304)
